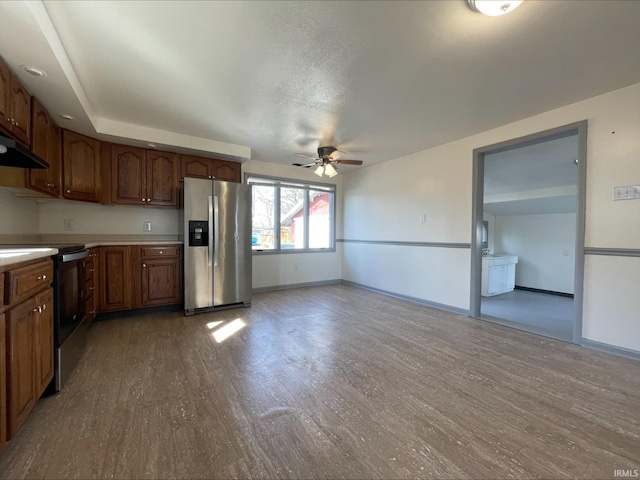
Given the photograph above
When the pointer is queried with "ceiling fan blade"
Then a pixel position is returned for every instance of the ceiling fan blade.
(349, 162)
(304, 166)
(308, 156)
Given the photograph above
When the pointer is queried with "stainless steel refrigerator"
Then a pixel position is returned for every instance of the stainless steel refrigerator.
(216, 217)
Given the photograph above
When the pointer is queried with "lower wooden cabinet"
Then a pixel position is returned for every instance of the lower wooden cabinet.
(137, 276)
(29, 332)
(3, 381)
(115, 278)
(160, 275)
(43, 315)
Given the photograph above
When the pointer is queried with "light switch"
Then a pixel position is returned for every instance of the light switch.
(628, 192)
(69, 225)
(146, 226)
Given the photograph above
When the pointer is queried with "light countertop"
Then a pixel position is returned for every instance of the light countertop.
(10, 256)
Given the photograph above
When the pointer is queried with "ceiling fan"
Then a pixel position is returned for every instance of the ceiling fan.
(325, 161)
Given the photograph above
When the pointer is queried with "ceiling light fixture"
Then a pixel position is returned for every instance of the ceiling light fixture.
(66, 116)
(330, 171)
(493, 8)
(319, 171)
(36, 72)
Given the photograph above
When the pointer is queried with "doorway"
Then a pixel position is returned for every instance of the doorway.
(528, 221)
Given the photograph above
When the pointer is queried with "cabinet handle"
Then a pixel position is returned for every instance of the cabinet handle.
(160, 252)
(44, 307)
(16, 124)
(90, 289)
(68, 191)
(50, 185)
(38, 309)
(9, 120)
(148, 199)
(144, 265)
(43, 277)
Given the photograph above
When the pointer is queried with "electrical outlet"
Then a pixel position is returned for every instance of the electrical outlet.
(146, 226)
(69, 225)
(628, 192)
(423, 218)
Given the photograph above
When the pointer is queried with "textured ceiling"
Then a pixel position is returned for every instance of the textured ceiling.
(378, 79)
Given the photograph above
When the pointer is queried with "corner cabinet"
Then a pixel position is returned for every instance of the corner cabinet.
(143, 177)
(81, 167)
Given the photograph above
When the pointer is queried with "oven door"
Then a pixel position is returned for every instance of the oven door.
(71, 284)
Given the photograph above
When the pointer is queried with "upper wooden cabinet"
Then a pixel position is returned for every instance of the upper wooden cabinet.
(201, 167)
(143, 177)
(128, 178)
(15, 106)
(46, 142)
(81, 167)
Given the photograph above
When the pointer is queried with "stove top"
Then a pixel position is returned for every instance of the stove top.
(62, 247)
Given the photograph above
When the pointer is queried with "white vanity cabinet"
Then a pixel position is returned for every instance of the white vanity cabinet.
(498, 274)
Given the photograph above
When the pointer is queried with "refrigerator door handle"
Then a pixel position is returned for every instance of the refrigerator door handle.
(215, 228)
(211, 227)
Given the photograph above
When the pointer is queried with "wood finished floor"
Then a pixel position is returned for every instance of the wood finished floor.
(332, 382)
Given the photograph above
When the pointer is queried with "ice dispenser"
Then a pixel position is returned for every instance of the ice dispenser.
(198, 233)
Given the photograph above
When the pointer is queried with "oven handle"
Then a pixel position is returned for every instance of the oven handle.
(70, 257)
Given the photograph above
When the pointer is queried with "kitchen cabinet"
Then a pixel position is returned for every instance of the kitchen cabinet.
(498, 274)
(15, 106)
(91, 264)
(28, 332)
(143, 177)
(201, 167)
(3, 379)
(115, 278)
(160, 270)
(43, 318)
(80, 167)
(46, 142)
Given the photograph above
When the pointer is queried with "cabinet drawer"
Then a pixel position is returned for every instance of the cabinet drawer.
(25, 281)
(165, 251)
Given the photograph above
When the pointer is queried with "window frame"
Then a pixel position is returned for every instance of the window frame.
(307, 186)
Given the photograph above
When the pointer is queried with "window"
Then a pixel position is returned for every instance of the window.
(291, 215)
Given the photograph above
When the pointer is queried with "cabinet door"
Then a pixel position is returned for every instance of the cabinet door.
(498, 279)
(20, 111)
(226, 171)
(5, 86)
(44, 340)
(81, 167)
(45, 143)
(128, 175)
(162, 178)
(115, 279)
(161, 283)
(21, 369)
(197, 167)
(3, 383)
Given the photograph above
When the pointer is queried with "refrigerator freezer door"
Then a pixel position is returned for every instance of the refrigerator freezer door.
(232, 237)
(198, 269)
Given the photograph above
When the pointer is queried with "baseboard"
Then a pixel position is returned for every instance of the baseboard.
(138, 311)
(428, 303)
(295, 285)
(605, 347)
(547, 292)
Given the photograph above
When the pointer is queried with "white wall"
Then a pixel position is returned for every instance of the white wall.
(545, 245)
(383, 201)
(18, 215)
(271, 270)
(93, 218)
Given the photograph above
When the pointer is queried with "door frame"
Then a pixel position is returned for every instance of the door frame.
(579, 128)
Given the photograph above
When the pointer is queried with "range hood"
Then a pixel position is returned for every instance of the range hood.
(13, 154)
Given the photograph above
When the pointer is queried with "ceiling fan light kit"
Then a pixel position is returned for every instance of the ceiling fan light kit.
(325, 161)
(494, 8)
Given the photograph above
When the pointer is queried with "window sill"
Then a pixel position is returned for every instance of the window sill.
(293, 250)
